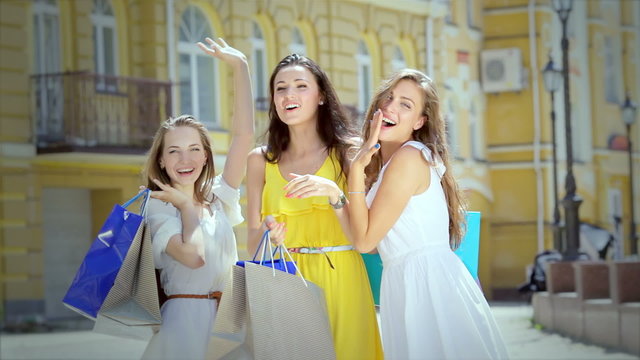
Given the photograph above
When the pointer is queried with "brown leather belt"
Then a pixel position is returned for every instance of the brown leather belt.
(217, 295)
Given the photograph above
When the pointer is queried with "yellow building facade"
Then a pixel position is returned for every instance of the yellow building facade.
(84, 85)
(603, 67)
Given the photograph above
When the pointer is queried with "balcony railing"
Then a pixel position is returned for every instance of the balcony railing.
(82, 111)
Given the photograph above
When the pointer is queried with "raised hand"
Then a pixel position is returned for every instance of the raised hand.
(223, 51)
(370, 146)
(304, 186)
(171, 195)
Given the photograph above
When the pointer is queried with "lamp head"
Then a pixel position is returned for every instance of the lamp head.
(551, 76)
(562, 7)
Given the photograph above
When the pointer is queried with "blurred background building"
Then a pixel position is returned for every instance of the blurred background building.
(85, 83)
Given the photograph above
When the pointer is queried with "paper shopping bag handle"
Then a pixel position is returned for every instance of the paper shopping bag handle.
(282, 249)
(145, 192)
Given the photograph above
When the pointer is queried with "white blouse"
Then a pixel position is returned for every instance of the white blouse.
(216, 230)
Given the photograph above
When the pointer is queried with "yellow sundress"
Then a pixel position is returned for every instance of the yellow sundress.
(312, 222)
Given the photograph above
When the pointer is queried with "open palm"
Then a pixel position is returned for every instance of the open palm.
(363, 157)
(221, 50)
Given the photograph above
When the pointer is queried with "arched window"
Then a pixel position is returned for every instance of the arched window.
(259, 60)
(297, 43)
(398, 62)
(197, 71)
(363, 60)
(104, 43)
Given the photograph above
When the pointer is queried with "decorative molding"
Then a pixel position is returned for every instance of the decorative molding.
(501, 149)
(475, 185)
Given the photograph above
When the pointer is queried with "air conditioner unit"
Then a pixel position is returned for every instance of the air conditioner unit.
(501, 70)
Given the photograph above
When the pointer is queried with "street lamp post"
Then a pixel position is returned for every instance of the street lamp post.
(571, 200)
(629, 117)
(552, 78)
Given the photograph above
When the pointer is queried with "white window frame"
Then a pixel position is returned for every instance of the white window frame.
(47, 53)
(611, 70)
(398, 61)
(452, 128)
(365, 77)
(449, 17)
(189, 49)
(101, 21)
(260, 81)
(47, 61)
(297, 43)
(476, 133)
(471, 14)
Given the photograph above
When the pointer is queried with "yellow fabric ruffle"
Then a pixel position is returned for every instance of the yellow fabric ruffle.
(310, 222)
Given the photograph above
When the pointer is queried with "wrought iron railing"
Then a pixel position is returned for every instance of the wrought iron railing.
(75, 111)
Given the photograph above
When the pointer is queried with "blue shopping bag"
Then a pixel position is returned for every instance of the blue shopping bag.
(278, 264)
(468, 252)
(103, 261)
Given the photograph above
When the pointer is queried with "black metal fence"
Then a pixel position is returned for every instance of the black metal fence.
(83, 111)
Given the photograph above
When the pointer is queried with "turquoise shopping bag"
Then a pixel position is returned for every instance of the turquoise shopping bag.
(468, 252)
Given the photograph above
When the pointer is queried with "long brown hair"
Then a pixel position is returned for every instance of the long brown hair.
(333, 125)
(152, 169)
(433, 135)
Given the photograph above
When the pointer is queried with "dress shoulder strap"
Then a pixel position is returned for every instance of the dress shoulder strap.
(435, 161)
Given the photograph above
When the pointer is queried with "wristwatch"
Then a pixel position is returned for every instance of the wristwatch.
(342, 200)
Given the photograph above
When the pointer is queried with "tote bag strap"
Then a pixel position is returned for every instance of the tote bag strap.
(282, 250)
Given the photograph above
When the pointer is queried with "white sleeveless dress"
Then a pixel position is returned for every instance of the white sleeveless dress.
(430, 306)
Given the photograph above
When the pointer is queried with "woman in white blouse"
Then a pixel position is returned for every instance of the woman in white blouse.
(191, 215)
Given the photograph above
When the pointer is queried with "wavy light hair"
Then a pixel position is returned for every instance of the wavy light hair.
(433, 135)
(333, 125)
(152, 169)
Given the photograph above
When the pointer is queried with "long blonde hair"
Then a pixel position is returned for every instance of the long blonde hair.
(152, 169)
(433, 135)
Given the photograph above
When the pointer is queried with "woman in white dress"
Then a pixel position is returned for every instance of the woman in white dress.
(191, 215)
(412, 211)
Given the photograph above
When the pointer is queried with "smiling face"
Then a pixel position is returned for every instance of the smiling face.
(296, 95)
(183, 156)
(402, 109)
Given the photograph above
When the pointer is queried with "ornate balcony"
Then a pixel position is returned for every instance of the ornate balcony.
(83, 111)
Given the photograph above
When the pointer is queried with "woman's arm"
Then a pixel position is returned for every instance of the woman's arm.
(242, 128)
(304, 186)
(187, 247)
(405, 176)
(255, 183)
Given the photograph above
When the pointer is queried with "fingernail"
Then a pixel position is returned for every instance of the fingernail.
(377, 146)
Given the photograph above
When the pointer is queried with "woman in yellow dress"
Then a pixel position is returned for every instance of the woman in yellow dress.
(299, 178)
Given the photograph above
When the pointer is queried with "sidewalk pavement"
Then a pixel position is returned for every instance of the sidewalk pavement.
(523, 341)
